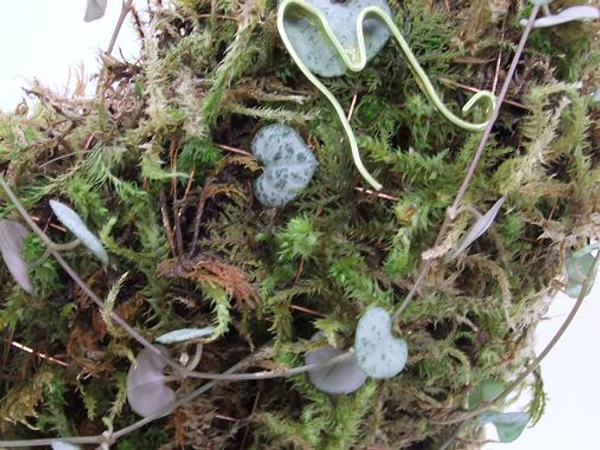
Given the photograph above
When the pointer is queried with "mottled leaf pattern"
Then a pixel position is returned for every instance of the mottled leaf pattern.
(317, 53)
(508, 425)
(578, 266)
(289, 165)
(379, 353)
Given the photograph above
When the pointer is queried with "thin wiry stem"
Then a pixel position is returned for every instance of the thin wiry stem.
(488, 129)
(453, 210)
(228, 375)
(464, 418)
(273, 373)
(125, 8)
(50, 245)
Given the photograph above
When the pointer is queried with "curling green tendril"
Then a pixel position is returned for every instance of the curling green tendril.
(356, 60)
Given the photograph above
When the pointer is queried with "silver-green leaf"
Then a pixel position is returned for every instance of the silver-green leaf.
(379, 354)
(578, 266)
(289, 165)
(12, 235)
(73, 222)
(317, 53)
(486, 391)
(185, 334)
(571, 14)
(508, 425)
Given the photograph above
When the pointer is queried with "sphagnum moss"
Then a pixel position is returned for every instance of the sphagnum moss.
(144, 164)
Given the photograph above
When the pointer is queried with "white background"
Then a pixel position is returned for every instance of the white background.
(44, 38)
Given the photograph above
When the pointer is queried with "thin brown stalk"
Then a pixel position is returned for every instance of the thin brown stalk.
(379, 194)
(307, 311)
(38, 354)
(475, 90)
(239, 151)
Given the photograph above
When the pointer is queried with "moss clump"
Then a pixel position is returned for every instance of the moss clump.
(146, 163)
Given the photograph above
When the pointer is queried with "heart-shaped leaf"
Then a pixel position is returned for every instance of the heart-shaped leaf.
(147, 392)
(58, 445)
(94, 10)
(289, 165)
(341, 378)
(574, 13)
(479, 227)
(378, 352)
(578, 266)
(508, 425)
(73, 222)
(316, 51)
(185, 334)
(12, 235)
(486, 391)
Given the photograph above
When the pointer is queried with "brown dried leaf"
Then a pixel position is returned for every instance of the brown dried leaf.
(210, 269)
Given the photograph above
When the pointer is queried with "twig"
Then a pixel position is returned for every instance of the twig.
(379, 194)
(167, 224)
(475, 90)
(265, 375)
(199, 214)
(52, 225)
(239, 151)
(68, 155)
(307, 311)
(352, 106)
(38, 354)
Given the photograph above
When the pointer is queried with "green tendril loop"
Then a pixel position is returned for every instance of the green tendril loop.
(357, 60)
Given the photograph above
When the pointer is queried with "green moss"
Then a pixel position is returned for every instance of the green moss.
(145, 172)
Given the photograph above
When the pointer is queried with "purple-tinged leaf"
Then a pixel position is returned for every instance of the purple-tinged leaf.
(94, 10)
(341, 378)
(12, 235)
(147, 393)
